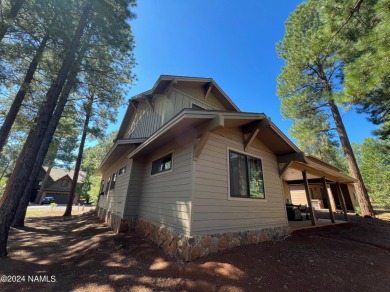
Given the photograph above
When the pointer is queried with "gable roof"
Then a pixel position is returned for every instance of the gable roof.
(161, 86)
(270, 135)
(58, 173)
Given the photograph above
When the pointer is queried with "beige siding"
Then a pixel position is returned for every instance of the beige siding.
(164, 198)
(286, 192)
(298, 195)
(213, 211)
(114, 201)
(148, 119)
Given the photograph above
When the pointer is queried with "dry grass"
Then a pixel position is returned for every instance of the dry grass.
(58, 211)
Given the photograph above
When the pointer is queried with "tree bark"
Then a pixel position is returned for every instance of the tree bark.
(22, 209)
(4, 171)
(15, 8)
(16, 104)
(68, 211)
(25, 164)
(44, 182)
(20, 214)
(361, 191)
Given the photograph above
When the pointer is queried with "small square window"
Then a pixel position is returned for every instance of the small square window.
(64, 183)
(122, 170)
(162, 164)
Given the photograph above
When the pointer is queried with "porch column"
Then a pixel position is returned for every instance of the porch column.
(325, 190)
(306, 183)
(342, 201)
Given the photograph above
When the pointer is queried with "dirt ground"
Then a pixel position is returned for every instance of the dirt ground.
(82, 254)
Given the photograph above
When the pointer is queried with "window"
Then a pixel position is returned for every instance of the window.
(64, 183)
(122, 170)
(162, 164)
(246, 176)
(108, 184)
(196, 107)
(113, 180)
(101, 192)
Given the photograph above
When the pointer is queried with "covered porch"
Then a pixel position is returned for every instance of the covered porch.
(313, 188)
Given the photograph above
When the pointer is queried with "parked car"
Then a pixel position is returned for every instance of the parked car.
(47, 200)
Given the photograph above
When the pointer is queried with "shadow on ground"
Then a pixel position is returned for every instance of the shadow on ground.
(83, 254)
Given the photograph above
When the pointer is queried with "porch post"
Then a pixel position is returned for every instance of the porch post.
(342, 201)
(328, 200)
(306, 183)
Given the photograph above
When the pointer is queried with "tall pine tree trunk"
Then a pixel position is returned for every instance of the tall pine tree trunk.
(17, 102)
(25, 164)
(16, 5)
(361, 191)
(68, 211)
(20, 214)
(44, 182)
(70, 83)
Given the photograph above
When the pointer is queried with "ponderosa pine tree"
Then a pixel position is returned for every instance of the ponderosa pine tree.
(9, 11)
(22, 171)
(310, 84)
(361, 29)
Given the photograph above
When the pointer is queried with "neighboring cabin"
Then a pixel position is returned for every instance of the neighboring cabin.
(58, 185)
(192, 173)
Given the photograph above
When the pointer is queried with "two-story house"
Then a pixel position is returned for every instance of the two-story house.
(194, 174)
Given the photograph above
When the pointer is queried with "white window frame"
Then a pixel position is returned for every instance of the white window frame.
(165, 171)
(248, 199)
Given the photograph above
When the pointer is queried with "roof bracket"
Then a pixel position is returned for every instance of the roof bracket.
(200, 145)
(250, 128)
(284, 168)
(149, 100)
(134, 103)
(300, 156)
(208, 88)
(248, 142)
(215, 124)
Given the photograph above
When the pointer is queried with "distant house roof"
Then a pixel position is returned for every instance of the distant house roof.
(58, 173)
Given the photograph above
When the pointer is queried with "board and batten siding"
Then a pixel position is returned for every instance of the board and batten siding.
(213, 211)
(114, 200)
(163, 199)
(148, 119)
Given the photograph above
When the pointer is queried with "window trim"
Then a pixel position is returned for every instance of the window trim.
(164, 171)
(248, 199)
(123, 167)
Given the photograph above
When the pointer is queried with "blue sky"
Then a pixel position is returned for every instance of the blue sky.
(232, 42)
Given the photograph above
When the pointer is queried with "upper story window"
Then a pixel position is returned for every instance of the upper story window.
(113, 181)
(196, 107)
(246, 176)
(162, 164)
(108, 184)
(122, 170)
(64, 183)
(102, 187)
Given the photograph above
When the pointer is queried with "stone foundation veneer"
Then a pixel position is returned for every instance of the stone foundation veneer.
(189, 248)
(110, 219)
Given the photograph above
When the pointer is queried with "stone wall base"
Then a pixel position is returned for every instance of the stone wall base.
(113, 220)
(189, 248)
